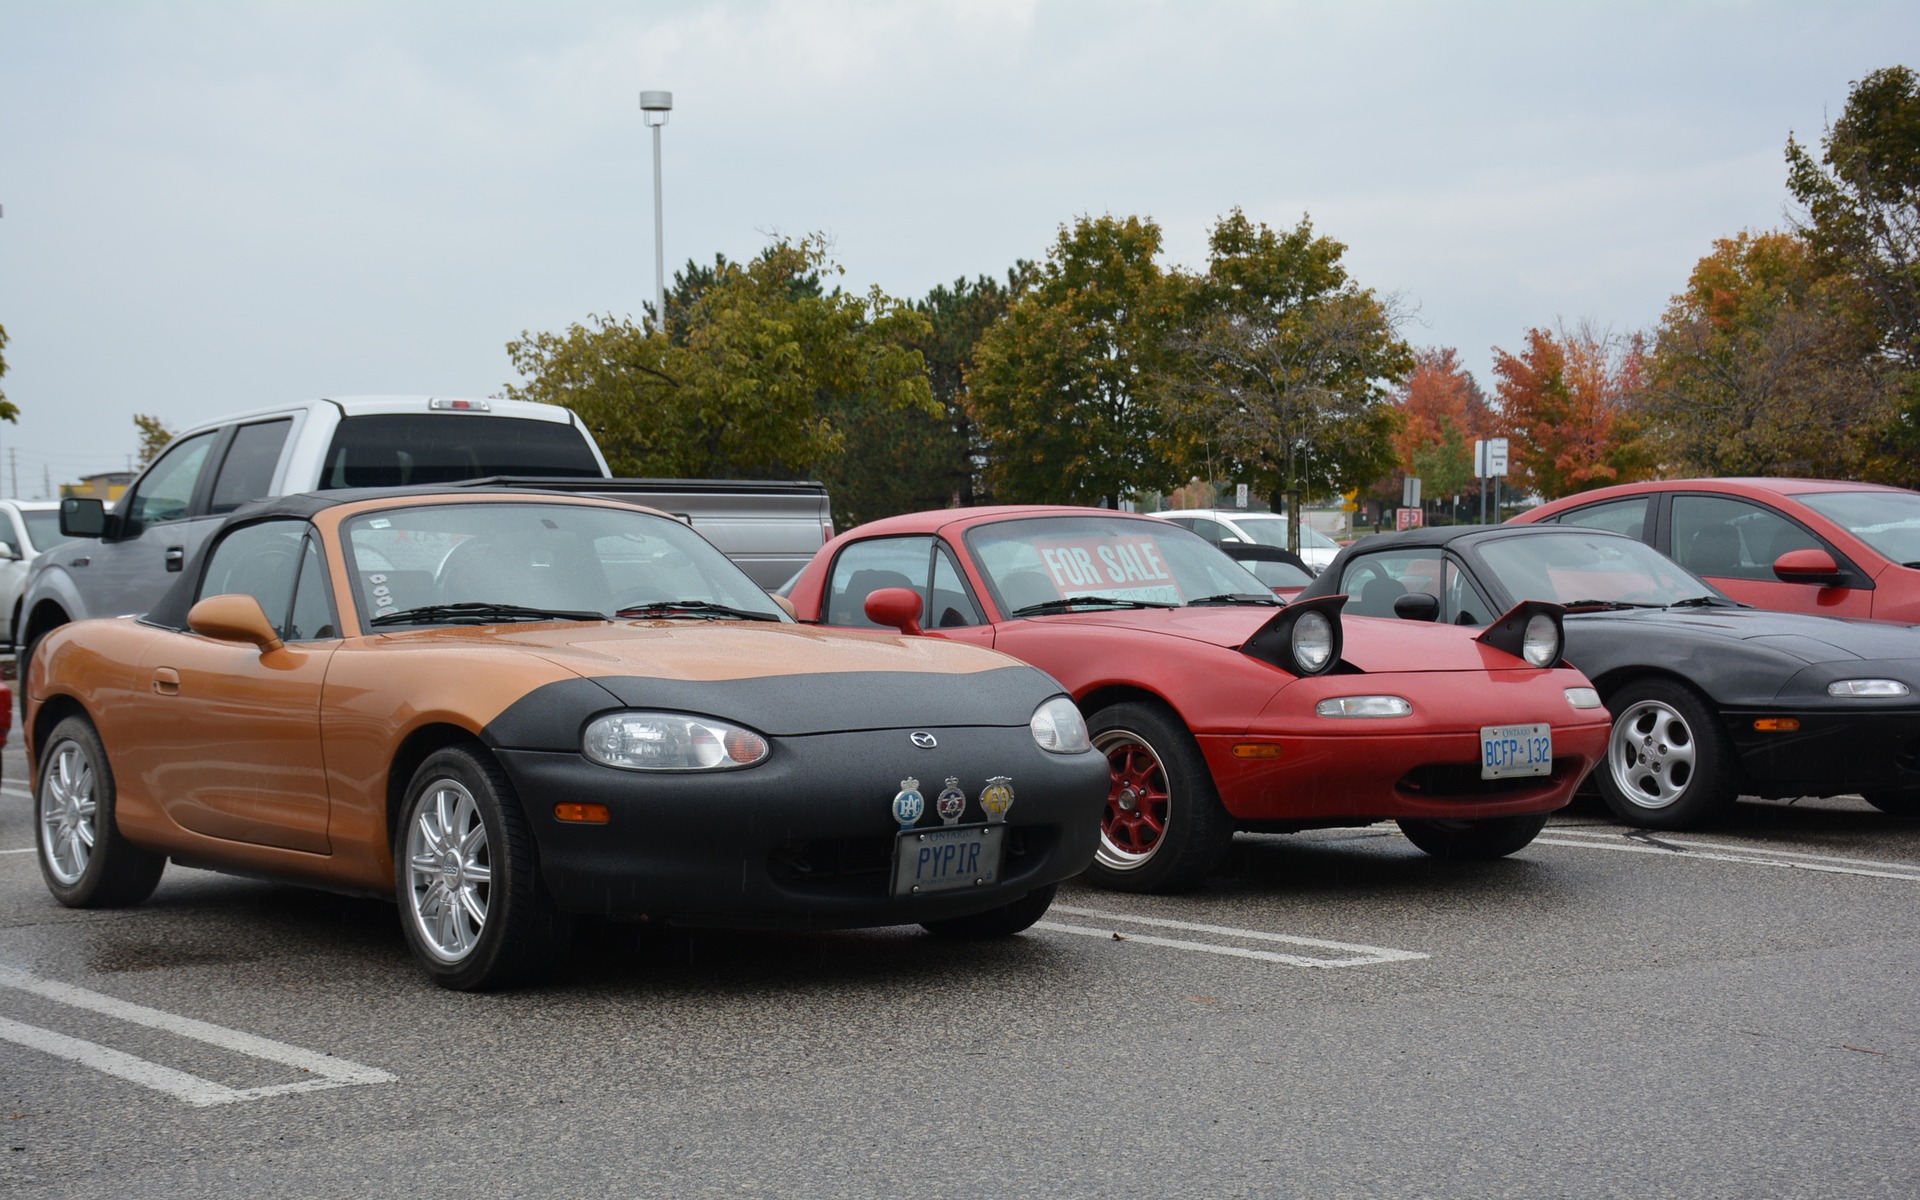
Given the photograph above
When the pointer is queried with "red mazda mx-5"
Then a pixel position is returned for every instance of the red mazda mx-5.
(1218, 706)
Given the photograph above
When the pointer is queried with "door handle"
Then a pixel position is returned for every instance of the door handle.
(176, 557)
(166, 681)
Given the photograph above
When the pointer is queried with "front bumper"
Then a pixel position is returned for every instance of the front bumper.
(804, 839)
(1830, 754)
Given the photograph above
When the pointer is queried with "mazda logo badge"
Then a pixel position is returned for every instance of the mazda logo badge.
(924, 740)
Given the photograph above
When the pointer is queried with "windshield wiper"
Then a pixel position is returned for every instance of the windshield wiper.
(1607, 605)
(692, 608)
(1268, 600)
(480, 613)
(1070, 602)
(1708, 602)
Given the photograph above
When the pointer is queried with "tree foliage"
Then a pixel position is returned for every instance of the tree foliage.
(1443, 412)
(1569, 401)
(753, 387)
(153, 436)
(1060, 393)
(1285, 365)
(902, 459)
(9, 411)
(1761, 367)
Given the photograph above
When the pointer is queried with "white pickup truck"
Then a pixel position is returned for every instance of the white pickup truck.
(124, 559)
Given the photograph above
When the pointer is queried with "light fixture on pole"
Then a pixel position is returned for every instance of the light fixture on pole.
(654, 107)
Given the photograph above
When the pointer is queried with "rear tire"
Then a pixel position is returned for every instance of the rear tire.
(1004, 921)
(83, 857)
(1495, 837)
(476, 914)
(1164, 828)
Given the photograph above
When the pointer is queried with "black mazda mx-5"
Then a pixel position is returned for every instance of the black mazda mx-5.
(1710, 699)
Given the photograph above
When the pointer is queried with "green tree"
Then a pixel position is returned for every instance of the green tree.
(153, 436)
(1443, 411)
(1285, 365)
(1060, 394)
(1761, 367)
(9, 411)
(1860, 211)
(902, 459)
(753, 388)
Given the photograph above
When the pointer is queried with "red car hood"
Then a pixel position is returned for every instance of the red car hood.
(1372, 644)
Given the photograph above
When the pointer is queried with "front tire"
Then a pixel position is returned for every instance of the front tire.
(1004, 921)
(1495, 837)
(1164, 827)
(83, 857)
(476, 914)
(1668, 763)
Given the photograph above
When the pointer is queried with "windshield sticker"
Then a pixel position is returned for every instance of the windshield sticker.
(1127, 568)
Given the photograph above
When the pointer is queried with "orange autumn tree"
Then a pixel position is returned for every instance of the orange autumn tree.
(1445, 411)
(1570, 402)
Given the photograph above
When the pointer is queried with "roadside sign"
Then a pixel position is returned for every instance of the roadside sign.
(1408, 518)
(1410, 491)
(1489, 457)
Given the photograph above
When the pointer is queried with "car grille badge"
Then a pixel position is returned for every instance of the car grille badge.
(908, 803)
(952, 802)
(998, 797)
(923, 739)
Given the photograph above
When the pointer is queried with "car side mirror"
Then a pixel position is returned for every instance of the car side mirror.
(1417, 606)
(9, 552)
(786, 605)
(82, 517)
(894, 607)
(235, 618)
(1813, 566)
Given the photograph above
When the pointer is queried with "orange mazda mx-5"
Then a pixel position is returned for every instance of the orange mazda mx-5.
(506, 708)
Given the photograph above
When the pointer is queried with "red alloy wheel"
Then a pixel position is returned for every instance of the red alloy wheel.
(1137, 803)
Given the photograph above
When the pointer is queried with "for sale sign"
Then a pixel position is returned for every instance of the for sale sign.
(1128, 568)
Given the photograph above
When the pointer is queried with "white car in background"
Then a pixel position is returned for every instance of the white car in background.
(1256, 528)
(26, 528)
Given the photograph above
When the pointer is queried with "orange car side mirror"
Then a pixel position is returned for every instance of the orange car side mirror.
(1813, 566)
(234, 619)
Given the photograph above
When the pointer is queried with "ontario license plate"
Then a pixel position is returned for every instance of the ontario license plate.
(1510, 750)
(941, 860)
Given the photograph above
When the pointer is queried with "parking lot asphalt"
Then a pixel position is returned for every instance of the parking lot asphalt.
(1607, 1013)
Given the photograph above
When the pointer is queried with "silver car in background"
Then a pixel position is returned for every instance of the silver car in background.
(26, 528)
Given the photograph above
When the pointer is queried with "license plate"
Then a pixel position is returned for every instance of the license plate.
(944, 859)
(1507, 751)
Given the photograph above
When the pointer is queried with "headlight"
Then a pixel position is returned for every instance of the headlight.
(655, 741)
(1868, 687)
(1312, 641)
(1541, 646)
(1583, 697)
(1058, 727)
(1364, 706)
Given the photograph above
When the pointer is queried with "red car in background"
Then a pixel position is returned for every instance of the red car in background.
(1818, 546)
(1218, 706)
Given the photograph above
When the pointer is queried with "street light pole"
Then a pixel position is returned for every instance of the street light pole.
(654, 107)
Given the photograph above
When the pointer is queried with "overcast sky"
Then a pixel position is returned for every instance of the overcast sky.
(215, 206)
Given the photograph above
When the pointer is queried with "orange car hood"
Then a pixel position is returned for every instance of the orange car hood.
(699, 651)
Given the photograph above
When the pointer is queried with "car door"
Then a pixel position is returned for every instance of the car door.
(236, 746)
(1733, 543)
(921, 562)
(153, 525)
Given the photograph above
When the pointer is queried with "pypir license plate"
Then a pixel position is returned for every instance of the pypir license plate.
(940, 860)
(1507, 751)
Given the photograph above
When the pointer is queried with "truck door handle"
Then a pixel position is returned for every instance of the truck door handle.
(166, 681)
(176, 557)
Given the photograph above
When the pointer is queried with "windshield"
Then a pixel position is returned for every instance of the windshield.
(1576, 566)
(1272, 531)
(1035, 560)
(410, 563)
(1887, 521)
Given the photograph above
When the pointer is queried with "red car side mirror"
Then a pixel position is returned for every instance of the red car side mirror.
(1814, 566)
(894, 607)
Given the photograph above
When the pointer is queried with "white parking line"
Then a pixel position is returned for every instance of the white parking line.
(327, 1071)
(1351, 955)
(1654, 843)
